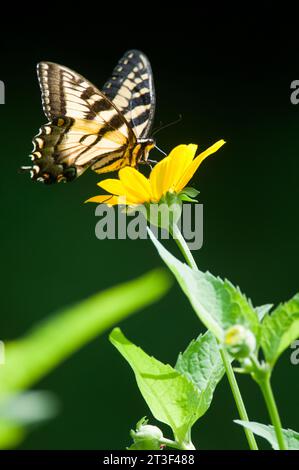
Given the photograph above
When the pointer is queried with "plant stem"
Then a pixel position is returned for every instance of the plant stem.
(180, 241)
(266, 388)
(177, 445)
(238, 397)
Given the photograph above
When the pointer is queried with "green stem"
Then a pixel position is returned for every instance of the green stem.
(266, 388)
(238, 397)
(177, 445)
(180, 241)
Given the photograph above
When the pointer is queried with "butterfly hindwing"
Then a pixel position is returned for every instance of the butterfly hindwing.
(65, 147)
(131, 89)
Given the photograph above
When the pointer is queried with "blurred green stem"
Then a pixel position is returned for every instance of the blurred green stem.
(180, 241)
(266, 388)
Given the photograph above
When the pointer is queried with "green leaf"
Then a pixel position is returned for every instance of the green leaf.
(263, 310)
(202, 364)
(280, 329)
(184, 197)
(268, 433)
(11, 434)
(191, 192)
(171, 397)
(48, 344)
(218, 304)
(188, 194)
(20, 412)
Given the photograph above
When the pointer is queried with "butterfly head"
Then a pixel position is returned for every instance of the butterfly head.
(142, 149)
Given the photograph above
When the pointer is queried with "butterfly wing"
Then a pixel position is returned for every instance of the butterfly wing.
(85, 128)
(131, 89)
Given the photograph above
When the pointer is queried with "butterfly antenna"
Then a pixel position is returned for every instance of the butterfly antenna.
(172, 123)
(157, 128)
(161, 151)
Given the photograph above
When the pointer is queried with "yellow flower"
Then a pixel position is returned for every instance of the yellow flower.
(170, 175)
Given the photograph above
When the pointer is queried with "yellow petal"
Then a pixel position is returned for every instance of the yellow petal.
(137, 186)
(195, 164)
(180, 159)
(111, 200)
(113, 186)
(157, 178)
(104, 199)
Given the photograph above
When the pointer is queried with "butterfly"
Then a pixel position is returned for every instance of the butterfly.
(104, 130)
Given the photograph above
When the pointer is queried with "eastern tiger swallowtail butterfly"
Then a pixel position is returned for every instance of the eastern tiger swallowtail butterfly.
(105, 130)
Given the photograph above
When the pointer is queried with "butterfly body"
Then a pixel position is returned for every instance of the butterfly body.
(105, 130)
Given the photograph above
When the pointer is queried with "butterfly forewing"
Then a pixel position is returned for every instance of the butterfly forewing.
(131, 89)
(66, 93)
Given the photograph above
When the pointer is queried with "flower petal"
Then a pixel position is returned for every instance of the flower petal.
(112, 200)
(113, 186)
(108, 199)
(180, 158)
(195, 164)
(157, 178)
(137, 186)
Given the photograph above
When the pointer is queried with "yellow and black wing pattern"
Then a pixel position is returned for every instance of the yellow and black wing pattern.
(131, 89)
(105, 130)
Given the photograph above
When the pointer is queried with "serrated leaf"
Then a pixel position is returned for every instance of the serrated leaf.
(267, 432)
(280, 329)
(263, 310)
(171, 397)
(201, 363)
(218, 303)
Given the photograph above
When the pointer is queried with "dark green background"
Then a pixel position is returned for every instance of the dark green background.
(229, 77)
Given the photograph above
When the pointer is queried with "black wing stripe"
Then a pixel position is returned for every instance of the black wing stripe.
(141, 119)
(66, 93)
(98, 106)
(130, 87)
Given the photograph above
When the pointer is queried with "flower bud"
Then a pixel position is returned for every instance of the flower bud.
(148, 431)
(239, 341)
(146, 436)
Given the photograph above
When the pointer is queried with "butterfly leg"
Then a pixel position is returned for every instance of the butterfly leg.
(149, 163)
